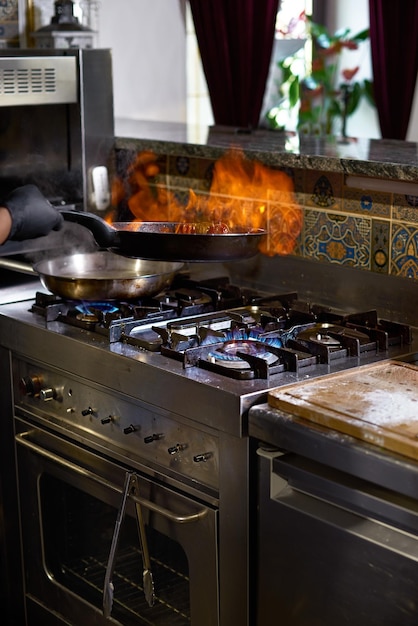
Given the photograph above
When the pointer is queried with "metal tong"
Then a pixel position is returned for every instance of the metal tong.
(131, 486)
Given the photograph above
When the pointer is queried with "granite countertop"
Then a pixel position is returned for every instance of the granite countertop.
(380, 158)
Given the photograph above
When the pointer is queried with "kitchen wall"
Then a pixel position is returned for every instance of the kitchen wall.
(148, 43)
(355, 16)
(367, 230)
(150, 46)
(364, 123)
(163, 91)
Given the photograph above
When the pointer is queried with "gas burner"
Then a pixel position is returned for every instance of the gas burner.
(192, 296)
(93, 312)
(232, 353)
(321, 333)
(89, 318)
(324, 338)
(259, 336)
(186, 301)
(104, 307)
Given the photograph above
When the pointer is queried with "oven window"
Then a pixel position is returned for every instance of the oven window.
(77, 530)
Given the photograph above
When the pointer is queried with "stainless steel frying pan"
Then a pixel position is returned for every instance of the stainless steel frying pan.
(160, 241)
(104, 276)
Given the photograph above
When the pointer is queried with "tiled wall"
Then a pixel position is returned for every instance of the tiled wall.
(369, 230)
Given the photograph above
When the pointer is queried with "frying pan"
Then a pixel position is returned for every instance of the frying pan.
(160, 241)
(104, 276)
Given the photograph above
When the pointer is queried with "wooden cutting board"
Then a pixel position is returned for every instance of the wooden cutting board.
(376, 403)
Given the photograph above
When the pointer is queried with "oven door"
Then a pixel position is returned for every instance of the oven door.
(333, 549)
(70, 501)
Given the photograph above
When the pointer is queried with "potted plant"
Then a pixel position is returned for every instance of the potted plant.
(327, 92)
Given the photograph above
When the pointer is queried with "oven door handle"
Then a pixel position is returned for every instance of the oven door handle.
(22, 439)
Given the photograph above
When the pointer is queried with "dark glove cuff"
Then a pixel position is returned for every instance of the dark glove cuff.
(17, 220)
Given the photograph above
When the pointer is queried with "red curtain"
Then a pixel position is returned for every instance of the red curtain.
(235, 40)
(393, 38)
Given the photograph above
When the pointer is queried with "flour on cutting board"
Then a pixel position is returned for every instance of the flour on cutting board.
(368, 399)
(377, 403)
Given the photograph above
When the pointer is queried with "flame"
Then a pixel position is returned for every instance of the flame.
(244, 196)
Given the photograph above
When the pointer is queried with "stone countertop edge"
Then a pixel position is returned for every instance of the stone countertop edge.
(379, 158)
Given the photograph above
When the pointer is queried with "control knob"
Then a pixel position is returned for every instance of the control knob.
(30, 385)
(153, 437)
(177, 448)
(202, 458)
(88, 411)
(47, 394)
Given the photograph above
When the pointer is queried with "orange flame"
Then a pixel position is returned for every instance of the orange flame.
(244, 196)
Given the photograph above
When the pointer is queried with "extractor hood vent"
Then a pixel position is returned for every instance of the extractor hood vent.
(37, 80)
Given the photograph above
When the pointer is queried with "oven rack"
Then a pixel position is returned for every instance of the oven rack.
(129, 603)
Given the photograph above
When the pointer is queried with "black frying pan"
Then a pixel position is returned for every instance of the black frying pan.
(159, 241)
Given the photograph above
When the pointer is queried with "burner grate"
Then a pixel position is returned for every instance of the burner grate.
(179, 322)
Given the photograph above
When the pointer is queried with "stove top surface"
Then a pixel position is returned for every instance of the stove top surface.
(230, 331)
(223, 332)
(207, 367)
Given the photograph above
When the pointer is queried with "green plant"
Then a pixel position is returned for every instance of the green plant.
(327, 91)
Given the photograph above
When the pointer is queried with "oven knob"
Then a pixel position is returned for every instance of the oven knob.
(107, 420)
(88, 411)
(202, 458)
(30, 385)
(129, 429)
(177, 448)
(154, 437)
(47, 394)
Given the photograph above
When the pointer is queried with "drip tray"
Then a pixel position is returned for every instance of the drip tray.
(172, 604)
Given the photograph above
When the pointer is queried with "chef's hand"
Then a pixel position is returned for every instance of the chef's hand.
(32, 215)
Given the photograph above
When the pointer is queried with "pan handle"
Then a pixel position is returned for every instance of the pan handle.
(104, 234)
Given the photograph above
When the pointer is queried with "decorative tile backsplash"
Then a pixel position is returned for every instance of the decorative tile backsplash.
(369, 230)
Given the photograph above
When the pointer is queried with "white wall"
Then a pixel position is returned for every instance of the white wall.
(412, 134)
(148, 42)
(355, 16)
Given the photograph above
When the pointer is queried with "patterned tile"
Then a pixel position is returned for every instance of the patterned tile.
(299, 180)
(127, 160)
(337, 238)
(404, 260)
(373, 203)
(380, 246)
(370, 230)
(405, 208)
(206, 169)
(179, 182)
(323, 190)
(193, 168)
(180, 165)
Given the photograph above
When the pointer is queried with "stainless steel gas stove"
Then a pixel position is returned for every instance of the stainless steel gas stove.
(135, 411)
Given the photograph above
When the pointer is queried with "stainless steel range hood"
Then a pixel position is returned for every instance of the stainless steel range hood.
(56, 121)
(37, 80)
(56, 129)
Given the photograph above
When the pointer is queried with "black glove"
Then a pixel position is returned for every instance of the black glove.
(32, 215)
